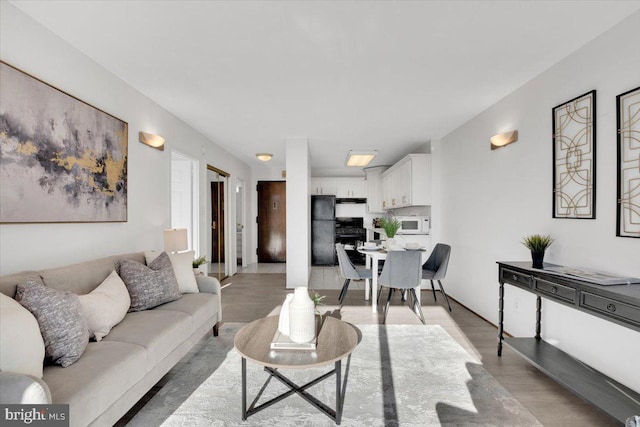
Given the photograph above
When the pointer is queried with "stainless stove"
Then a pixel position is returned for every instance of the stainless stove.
(351, 233)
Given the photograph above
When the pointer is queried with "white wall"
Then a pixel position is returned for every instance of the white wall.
(298, 213)
(490, 199)
(29, 46)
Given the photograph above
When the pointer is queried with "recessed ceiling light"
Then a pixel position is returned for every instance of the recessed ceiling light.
(360, 158)
(265, 157)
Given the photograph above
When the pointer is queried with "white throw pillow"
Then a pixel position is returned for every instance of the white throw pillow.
(106, 305)
(21, 343)
(182, 267)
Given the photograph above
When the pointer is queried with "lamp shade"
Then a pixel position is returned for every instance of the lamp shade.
(175, 240)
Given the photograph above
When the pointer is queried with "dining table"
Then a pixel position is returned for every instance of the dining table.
(373, 258)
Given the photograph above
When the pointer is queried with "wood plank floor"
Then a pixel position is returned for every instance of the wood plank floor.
(255, 295)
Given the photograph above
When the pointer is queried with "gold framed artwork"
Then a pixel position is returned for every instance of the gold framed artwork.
(61, 159)
(574, 158)
(628, 194)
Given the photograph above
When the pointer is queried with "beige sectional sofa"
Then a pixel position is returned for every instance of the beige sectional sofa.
(113, 374)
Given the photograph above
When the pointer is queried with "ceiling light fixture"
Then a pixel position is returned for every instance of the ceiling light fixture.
(502, 139)
(154, 141)
(360, 158)
(265, 157)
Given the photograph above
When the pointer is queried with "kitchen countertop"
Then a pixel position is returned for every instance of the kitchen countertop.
(376, 230)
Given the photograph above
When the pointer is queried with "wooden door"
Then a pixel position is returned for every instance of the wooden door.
(272, 221)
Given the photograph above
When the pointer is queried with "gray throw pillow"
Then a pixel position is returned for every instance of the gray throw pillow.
(60, 318)
(150, 286)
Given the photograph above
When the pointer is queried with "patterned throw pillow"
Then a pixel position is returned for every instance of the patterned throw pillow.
(61, 321)
(149, 286)
(182, 264)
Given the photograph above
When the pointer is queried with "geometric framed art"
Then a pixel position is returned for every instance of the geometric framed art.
(61, 159)
(574, 158)
(628, 200)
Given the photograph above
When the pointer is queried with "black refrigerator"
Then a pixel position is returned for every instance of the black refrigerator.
(323, 230)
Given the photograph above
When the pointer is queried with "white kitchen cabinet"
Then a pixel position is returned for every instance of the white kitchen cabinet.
(340, 187)
(388, 190)
(322, 186)
(373, 176)
(350, 188)
(408, 182)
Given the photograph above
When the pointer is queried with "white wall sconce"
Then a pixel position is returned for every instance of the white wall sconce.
(155, 141)
(264, 157)
(175, 240)
(360, 158)
(502, 139)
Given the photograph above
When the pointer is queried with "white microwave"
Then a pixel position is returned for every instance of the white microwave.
(413, 224)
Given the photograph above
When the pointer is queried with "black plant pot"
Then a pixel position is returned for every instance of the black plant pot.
(537, 258)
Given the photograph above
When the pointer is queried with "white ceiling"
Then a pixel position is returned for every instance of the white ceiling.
(346, 75)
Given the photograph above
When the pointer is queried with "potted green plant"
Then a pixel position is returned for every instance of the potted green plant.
(317, 302)
(390, 227)
(537, 244)
(196, 263)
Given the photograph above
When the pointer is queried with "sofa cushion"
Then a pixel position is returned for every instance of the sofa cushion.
(159, 331)
(92, 384)
(182, 264)
(133, 256)
(21, 344)
(106, 305)
(79, 278)
(8, 283)
(200, 307)
(149, 286)
(61, 321)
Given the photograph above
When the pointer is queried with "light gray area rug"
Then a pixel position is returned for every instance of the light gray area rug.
(399, 375)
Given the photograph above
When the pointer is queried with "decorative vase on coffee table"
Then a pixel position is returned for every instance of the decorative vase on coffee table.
(302, 324)
(283, 323)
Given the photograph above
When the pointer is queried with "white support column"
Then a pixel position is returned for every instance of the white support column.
(298, 213)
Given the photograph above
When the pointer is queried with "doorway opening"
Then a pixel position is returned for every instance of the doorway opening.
(272, 221)
(241, 259)
(184, 197)
(217, 207)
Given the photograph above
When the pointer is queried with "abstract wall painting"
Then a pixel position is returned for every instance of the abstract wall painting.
(628, 200)
(61, 159)
(574, 158)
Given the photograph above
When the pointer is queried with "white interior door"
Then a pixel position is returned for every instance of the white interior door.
(184, 196)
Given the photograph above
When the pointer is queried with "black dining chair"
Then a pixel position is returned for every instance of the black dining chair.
(436, 268)
(349, 272)
(402, 271)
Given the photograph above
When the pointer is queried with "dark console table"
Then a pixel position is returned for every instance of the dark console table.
(618, 304)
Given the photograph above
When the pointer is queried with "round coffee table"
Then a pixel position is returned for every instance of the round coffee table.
(336, 340)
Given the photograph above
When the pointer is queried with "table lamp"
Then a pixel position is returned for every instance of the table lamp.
(175, 240)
